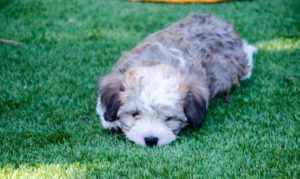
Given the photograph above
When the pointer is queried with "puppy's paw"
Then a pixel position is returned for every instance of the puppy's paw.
(109, 125)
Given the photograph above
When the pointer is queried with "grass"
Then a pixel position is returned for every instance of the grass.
(48, 124)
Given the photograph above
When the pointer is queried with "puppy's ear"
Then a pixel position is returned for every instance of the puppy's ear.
(195, 106)
(109, 91)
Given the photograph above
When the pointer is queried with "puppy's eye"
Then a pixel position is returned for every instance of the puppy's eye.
(135, 114)
(169, 118)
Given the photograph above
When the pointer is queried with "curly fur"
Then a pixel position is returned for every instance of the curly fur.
(166, 82)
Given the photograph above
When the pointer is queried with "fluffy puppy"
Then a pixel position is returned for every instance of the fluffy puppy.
(166, 82)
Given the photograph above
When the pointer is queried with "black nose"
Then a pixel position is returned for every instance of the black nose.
(151, 141)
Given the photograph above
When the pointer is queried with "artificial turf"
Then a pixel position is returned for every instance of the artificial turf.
(48, 123)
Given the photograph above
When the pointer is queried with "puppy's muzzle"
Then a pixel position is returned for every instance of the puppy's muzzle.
(151, 141)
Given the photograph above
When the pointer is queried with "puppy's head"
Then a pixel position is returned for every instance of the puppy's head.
(152, 104)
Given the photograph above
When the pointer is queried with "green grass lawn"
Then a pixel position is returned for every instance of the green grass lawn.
(48, 124)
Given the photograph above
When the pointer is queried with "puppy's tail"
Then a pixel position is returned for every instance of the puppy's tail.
(250, 50)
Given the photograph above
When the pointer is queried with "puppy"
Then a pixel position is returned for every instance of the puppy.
(166, 82)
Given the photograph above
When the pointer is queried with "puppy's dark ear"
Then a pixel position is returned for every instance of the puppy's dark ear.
(195, 107)
(109, 91)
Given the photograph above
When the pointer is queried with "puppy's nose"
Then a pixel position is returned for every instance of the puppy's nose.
(151, 141)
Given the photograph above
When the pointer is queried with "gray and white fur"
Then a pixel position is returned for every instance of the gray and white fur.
(166, 82)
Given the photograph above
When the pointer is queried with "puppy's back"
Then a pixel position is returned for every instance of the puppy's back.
(210, 43)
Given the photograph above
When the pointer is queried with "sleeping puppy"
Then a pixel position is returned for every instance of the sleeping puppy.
(166, 82)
